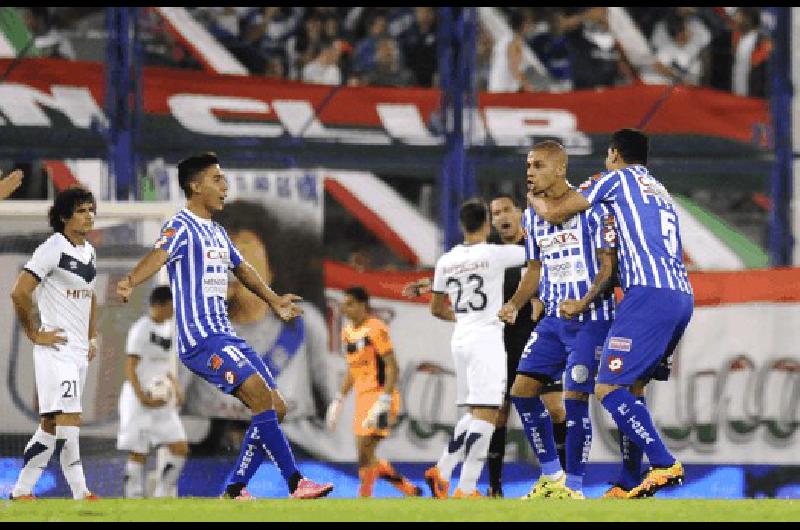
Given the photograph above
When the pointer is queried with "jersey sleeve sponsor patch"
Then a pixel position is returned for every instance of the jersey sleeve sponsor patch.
(166, 239)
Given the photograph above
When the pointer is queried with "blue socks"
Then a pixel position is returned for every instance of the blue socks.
(250, 458)
(634, 421)
(631, 472)
(539, 430)
(579, 441)
(266, 435)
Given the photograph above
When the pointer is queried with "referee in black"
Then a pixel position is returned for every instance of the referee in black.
(507, 222)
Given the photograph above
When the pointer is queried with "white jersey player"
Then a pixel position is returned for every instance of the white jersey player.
(62, 271)
(145, 418)
(471, 276)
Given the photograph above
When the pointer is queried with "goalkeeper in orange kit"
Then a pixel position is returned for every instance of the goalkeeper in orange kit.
(373, 372)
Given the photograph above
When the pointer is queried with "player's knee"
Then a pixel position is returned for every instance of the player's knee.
(255, 394)
(525, 387)
(601, 391)
(576, 396)
(638, 388)
(179, 449)
(279, 404)
(68, 420)
(49, 424)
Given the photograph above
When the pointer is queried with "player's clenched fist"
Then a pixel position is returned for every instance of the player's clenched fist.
(508, 313)
(124, 288)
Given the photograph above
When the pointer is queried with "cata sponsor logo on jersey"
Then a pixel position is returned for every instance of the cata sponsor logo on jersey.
(558, 242)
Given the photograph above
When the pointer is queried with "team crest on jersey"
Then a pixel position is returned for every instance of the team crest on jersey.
(615, 364)
(166, 235)
(215, 362)
(230, 377)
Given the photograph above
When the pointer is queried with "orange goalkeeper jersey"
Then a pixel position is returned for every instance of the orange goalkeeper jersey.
(365, 346)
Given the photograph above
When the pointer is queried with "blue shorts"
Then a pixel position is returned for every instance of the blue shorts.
(557, 345)
(226, 362)
(648, 326)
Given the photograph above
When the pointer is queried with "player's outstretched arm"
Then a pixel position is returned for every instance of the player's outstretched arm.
(417, 288)
(143, 271)
(557, 211)
(527, 289)
(605, 280)
(22, 298)
(10, 183)
(284, 305)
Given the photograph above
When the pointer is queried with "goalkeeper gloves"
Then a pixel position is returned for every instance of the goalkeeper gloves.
(332, 415)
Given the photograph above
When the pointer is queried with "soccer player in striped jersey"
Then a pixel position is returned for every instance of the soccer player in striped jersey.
(572, 265)
(198, 254)
(657, 305)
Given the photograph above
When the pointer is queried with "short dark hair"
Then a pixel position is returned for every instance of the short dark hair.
(358, 293)
(189, 168)
(161, 295)
(65, 204)
(473, 215)
(505, 196)
(632, 144)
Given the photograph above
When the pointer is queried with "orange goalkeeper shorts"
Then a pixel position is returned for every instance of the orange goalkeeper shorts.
(364, 402)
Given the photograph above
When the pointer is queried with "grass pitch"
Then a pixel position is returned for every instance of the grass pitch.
(215, 510)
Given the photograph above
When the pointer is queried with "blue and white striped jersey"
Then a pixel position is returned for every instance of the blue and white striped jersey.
(570, 264)
(200, 255)
(650, 250)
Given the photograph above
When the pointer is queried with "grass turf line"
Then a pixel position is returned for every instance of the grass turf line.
(400, 510)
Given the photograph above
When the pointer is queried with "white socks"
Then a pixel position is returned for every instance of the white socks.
(71, 460)
(168, 470)
(37, 454)
(476, 447)
(133, 485)
(454, 451)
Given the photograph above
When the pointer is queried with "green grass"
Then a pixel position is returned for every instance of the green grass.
(400, 510)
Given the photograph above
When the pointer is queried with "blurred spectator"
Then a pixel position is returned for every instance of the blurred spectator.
(593, 53)
(364, 54)
(226, 24)
(678, 58)
(304, 46)
(751, 50)
(388, 70)
(419, 45)
(507, 72)
(324, 70)
(698, 36)
(269, 28)
(548, 41)
(484, 48)
(48, 38)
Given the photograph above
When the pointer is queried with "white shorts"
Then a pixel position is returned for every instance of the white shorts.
(141, 428)
(60, 378)
(481, 368)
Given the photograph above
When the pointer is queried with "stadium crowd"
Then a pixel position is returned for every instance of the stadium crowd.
(546, 49)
